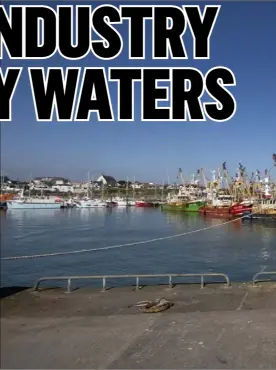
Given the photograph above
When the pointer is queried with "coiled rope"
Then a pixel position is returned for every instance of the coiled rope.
(159, 305)
(54, 254)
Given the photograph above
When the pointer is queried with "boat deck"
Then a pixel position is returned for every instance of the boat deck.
(215, 327)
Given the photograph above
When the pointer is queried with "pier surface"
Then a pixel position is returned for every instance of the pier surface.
(215, 327)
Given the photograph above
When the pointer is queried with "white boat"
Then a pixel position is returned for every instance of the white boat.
(22, 202)
(123, 202)
(90, 203)
(99, 203)
(32, 204)
(131, 203)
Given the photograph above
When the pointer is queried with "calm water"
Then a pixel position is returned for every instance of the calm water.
(238, 249)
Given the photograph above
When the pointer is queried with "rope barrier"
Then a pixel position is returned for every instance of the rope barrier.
(54, 254)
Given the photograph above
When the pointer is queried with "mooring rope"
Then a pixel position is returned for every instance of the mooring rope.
(53, 254)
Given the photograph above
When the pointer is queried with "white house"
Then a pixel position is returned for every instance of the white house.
(137, 185)
(107, 180)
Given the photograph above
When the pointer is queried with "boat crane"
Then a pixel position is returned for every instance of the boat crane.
(226, 178)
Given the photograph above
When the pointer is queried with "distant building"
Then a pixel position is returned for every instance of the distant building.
(96, 184)
(52, 180)
(77, 185)
(107, 180)
(37, 180)
(137, 185)
(124, 184)
(63, 188)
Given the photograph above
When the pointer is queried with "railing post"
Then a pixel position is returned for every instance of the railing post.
(104, 285)
(137, 283)
(201, 281)
(35, 287)
(227, 281)
(69, 285)
(255, 277)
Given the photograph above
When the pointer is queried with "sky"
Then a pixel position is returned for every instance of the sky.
(243, 40)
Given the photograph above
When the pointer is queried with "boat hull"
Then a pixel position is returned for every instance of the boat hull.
(260, 217)
(144, 204)
(3, 205)
(217, 211)
(91, 205)
(240, 210)
(111, 204)
(185, 207)
(122, 203)
(17, 205)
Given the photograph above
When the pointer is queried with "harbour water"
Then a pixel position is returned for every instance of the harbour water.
(238, 249)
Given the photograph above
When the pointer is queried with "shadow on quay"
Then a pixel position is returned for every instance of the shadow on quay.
(8, 291)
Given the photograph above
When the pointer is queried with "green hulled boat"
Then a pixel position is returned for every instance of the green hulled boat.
(193, 206)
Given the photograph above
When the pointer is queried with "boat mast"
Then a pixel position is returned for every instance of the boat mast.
(2, 181)
(102, 191)
(88, 180)
(29, 185)
(204, 181)
(226, 178)
(133, 188)
(92, 185)
(180, 174)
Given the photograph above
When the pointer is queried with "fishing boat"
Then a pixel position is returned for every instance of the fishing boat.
(264, 209)
(191, 206)
(267, 205)
(220, 205)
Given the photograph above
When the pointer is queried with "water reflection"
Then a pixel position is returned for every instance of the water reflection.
(181, 219)
(196, 220)
(85, 214)
(28, 214)
(267, 238)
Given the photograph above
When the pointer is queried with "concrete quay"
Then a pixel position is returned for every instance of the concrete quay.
(215, 327)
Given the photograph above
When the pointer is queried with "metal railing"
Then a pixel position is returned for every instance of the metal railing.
(137, 277)
(255, 277)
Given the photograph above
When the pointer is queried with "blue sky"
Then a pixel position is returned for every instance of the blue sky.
(243, 39)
